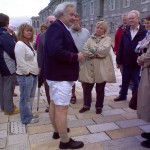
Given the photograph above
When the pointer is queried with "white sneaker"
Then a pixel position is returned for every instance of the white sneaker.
(35, 116)
(34, 120)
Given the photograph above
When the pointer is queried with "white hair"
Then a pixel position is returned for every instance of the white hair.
(61, 8)
(135, 12)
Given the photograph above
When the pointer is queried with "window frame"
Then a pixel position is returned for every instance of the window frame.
(92, 8)
(125, 4)
(145, 2)
(112, 5)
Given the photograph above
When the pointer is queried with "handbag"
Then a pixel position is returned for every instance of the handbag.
(133, 101)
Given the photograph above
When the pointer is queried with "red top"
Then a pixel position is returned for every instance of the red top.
(118, 38)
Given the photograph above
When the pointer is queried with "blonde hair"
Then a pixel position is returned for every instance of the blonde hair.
(103, 24)
(21, 29)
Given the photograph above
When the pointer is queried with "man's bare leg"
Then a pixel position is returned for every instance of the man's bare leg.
(52, 115)
(61, 122)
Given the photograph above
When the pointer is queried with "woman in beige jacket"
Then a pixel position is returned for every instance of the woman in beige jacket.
(97, 67)
(143, 99)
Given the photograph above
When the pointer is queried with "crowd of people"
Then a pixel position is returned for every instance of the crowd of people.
(65, 52)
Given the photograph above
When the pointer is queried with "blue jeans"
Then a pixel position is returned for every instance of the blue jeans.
(129, 73)
(27, 86)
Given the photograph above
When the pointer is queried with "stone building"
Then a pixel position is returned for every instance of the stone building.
(92, 11)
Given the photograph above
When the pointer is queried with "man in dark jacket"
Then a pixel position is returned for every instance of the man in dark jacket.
(61, 69)
(126, 55)
(7, 68)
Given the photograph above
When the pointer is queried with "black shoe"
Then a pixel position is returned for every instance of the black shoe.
(117, 99)
(98, 111)
(82, 110)
(71, 144)
(56, 134)
(47, 109)
(146, 135)
(120, 85)
(146, 143)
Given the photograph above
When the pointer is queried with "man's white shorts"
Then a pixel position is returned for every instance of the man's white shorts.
(60, 91)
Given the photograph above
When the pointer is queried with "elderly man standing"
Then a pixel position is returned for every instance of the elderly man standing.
(40, 52)
(127, 57)
(80, 36)
(61, 69)
(7, 68)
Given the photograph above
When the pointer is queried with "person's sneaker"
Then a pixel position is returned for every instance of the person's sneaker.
(146, 143)
(71, 144)
(34, 120)
(146, 135)
(82, 110)
(35, 115)
(15, 111)
(119, 98)
(56, 134)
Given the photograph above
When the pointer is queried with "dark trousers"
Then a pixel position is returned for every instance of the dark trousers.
(47, 92)
(129, 73)
(7, 85)
(87, 94)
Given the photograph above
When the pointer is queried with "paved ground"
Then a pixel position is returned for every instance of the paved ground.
(117, 128)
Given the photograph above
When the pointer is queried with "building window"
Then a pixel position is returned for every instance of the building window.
(92, 8)
(145, 1)
(111, 4)
(84, 10)
(126, 3)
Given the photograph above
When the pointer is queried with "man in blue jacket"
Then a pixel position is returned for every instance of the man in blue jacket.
(7, 68)
(61, 69)
(126, 55)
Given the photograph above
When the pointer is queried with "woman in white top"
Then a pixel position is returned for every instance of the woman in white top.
(27, 70)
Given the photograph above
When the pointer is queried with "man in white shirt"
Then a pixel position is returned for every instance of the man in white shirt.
(127, 57)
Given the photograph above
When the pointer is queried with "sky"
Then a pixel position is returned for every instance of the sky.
(22, 10)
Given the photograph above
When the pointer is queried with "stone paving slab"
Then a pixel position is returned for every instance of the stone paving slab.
(17, 139)
(130, 123)
(93, 138)
(87, 115)
(4, 119)
(40, 129)
(2, 143)
(130, 116)
(78, 131)
(3, 126)
(112, 112)
(119, 104)
(80, 123)
(22, 146)
(3, 134)
(122, 133)
(145, 128)
(102, 127)
(93, 146)
(122, 144)
(49, 145)
(107, 119)
(42, 137)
